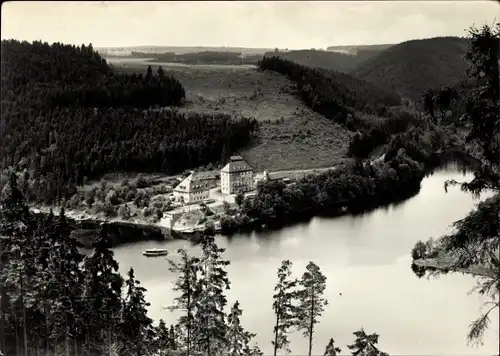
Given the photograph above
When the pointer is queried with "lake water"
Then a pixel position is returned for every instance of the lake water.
(367, 259)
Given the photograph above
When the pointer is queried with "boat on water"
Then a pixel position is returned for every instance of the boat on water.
(155, 252)
(188, 231)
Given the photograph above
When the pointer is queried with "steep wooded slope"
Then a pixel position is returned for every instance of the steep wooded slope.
(412, 67)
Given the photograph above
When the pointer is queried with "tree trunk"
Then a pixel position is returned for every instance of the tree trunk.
(66, 336)
(16, 331)
(311, 321)
(47, 338)
(2, 320)
(25, 334)
(109, 341)
(276, 335)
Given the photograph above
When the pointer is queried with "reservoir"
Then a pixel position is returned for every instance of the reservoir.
(366, 258)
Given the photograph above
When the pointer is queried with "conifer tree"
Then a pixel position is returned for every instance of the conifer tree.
(185, 284)
(16, 233)
(163, 343)
(311, 301)
(238, 338)
(331, 349)
(364, 345)
(102, 295)
(65, 284)
(210, 328)
(284, 309)
(161, 73)
(173, 338)
(149, 73)
(136, 328)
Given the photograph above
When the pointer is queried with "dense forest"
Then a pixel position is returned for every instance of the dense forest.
(341, 62)
(331, 93)
(55, 75)
(57, 300)
(412, 67)
(66, 118)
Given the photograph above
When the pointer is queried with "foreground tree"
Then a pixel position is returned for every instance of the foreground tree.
(284, 309)
(331, 349)
(16, 234)
(238, 338)
(364, 345)
(136, 329)
(185, 284)
(65, 284)
(163, 343)
(474, 245)
(102, 288)
(311, 301)
(210, 329)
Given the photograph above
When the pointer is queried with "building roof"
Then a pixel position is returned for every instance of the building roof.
(195, 182)
(237, 164)
(198, 176)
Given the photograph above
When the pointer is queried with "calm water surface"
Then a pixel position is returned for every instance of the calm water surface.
(366, 258)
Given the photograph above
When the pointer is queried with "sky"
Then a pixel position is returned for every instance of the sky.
(263, 24)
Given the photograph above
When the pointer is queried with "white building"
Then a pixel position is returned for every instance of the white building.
(259, 177)
(236, 177)
(195, 188)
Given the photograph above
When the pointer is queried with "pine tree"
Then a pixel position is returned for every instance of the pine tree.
(311, 300)
(149, 73)
(102, 295)
(136, 328)
(331, 349)
(161, 73)
(186, 284)
(40, 293)
(285, 311)
(364, 345)
(238, 338)
(16, 233)
(163, 342)
(173, 338)
(65, 284)
(210, 328)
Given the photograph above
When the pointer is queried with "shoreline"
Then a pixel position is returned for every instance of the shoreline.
(122, 231)
(445, 264)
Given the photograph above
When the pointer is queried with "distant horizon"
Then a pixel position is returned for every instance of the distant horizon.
(235, 47)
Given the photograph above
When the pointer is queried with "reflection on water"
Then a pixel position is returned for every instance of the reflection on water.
(366, 258)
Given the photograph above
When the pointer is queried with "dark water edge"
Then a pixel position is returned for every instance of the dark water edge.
(123, 233)
(461, 160)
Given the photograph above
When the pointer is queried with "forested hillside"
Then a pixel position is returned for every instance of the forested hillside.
(66, 117)
(412, 67)
(337, 61)
(331, 93)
